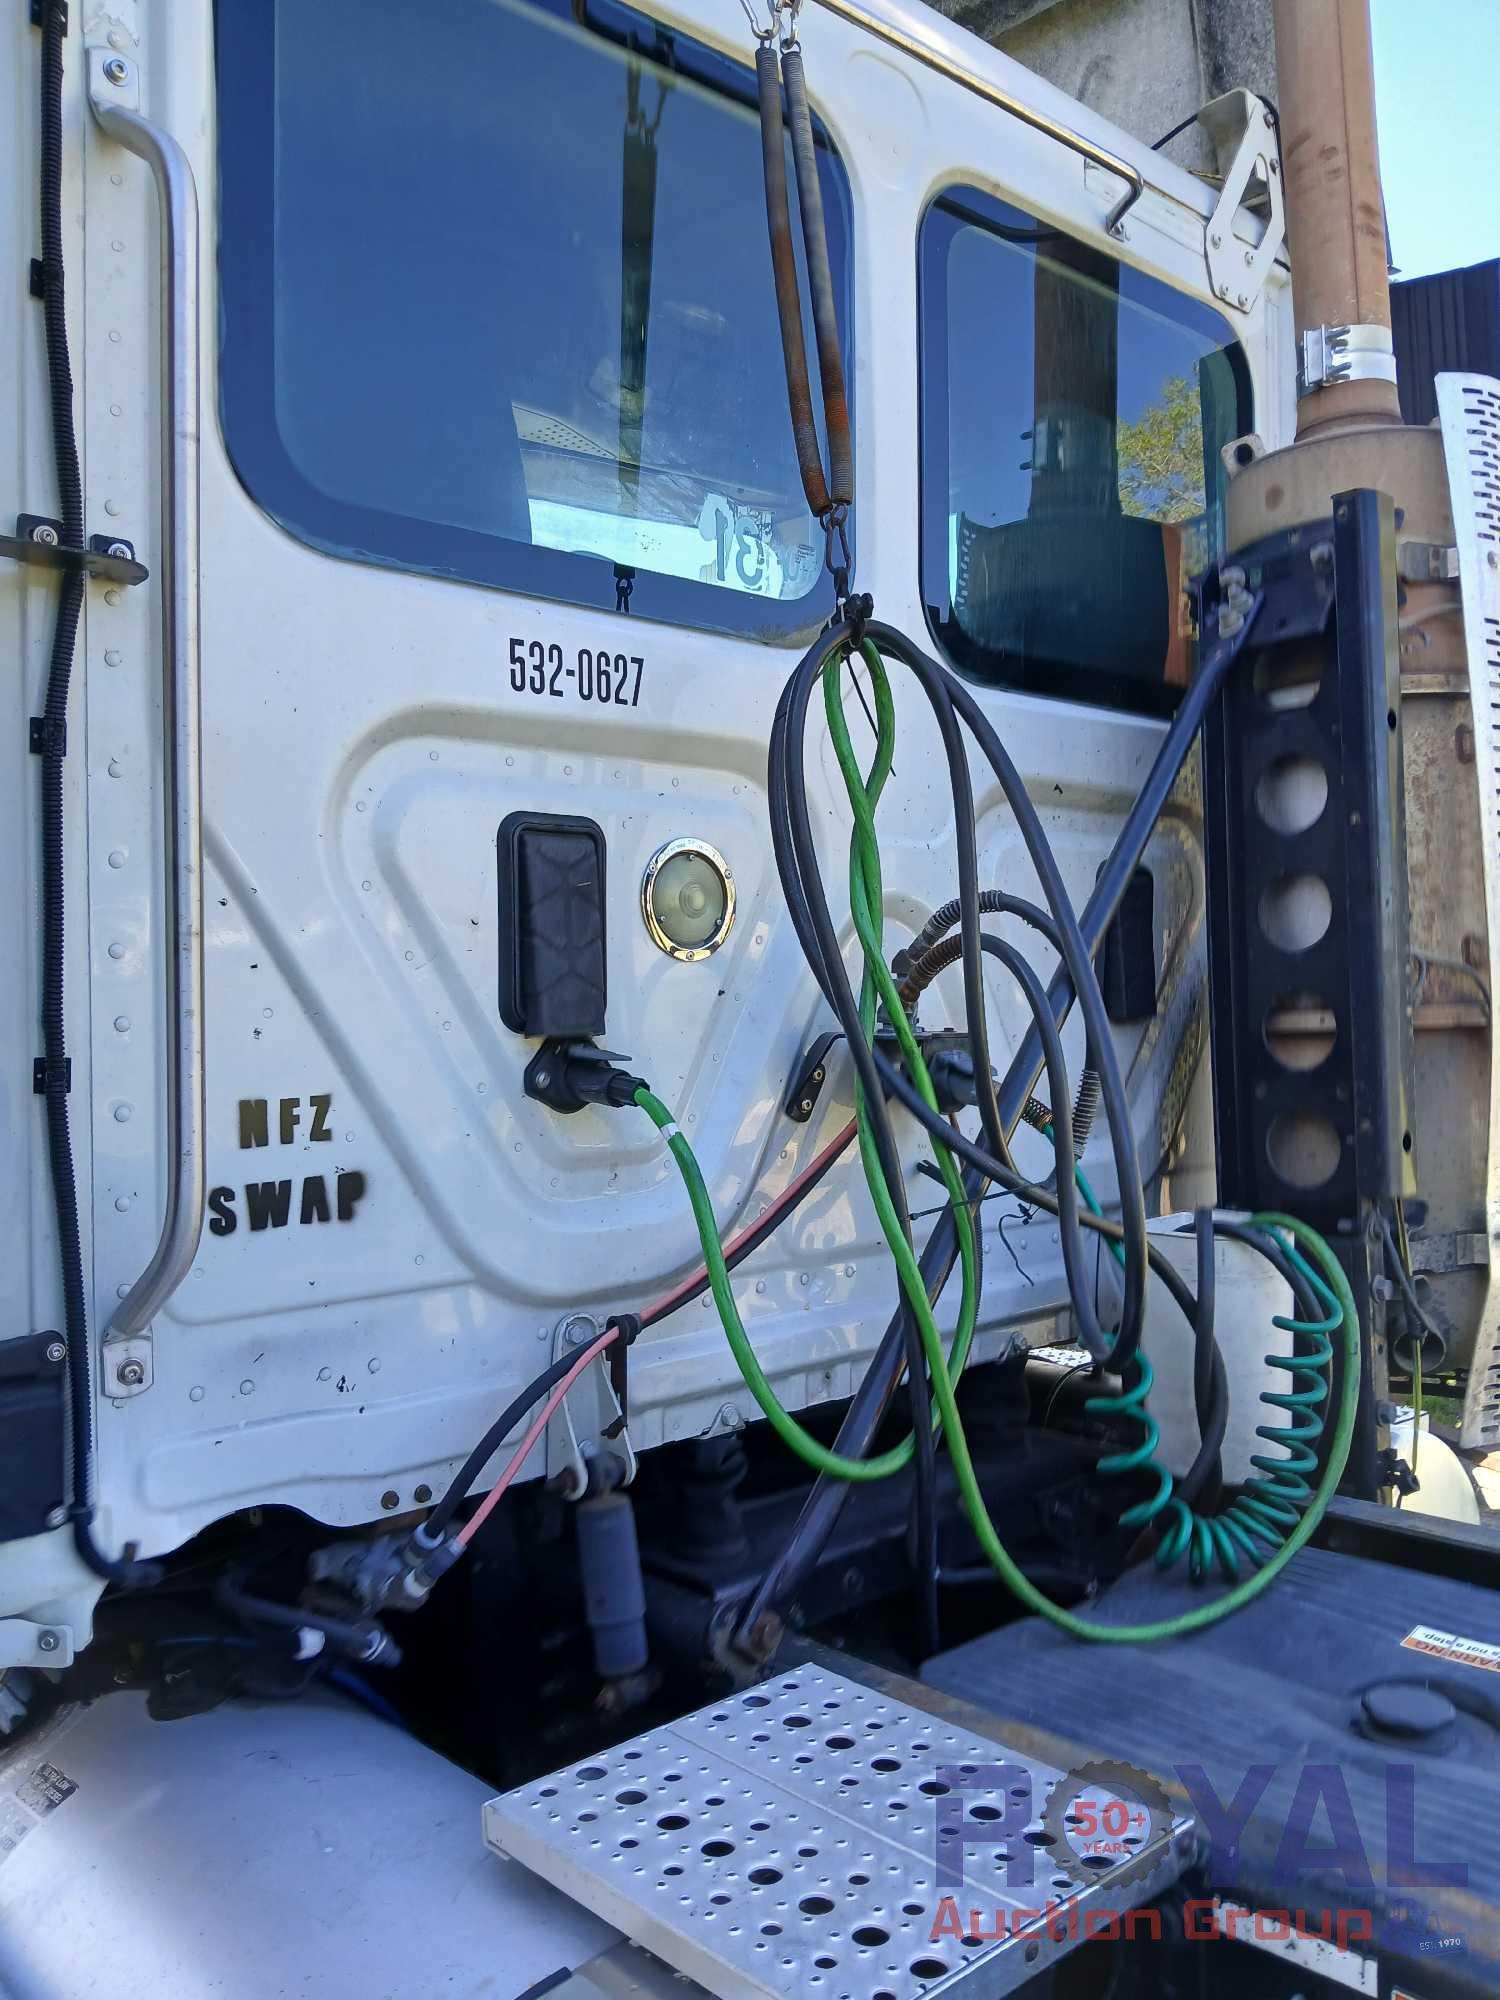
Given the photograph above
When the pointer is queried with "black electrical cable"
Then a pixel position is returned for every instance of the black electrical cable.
(362, 1639)
(53, 874)
(867, 1409)
(796, 861)
(1115, 877)
(1203, 1482)
(933, 950)
(1414, 1306)
(1074, 1257)
(814, 928)
(801, 880)
(1078, 959)
(796, 864)
(1308, 1303)
(820, 1512)
(992, 903)
(442, 1514)
(1176, 132)
(1197, 1484)
(1032, 1192)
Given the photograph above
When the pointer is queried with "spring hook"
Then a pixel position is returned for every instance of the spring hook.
(836, 559)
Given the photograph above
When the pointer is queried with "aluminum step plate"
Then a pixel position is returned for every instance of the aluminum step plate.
(800, 1838)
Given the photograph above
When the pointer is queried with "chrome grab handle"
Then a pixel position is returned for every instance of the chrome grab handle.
(114, 89)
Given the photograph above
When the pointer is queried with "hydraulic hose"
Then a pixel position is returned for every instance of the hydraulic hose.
(1263, 1514)
(1278, 1505)
(1279, 1508)
(867, 1409)
(820, 1512)
(53, 826)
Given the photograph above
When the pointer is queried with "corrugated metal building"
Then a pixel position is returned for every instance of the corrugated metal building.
(1448, 321)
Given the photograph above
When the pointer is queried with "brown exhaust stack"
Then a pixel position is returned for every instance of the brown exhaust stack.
(1335, 215)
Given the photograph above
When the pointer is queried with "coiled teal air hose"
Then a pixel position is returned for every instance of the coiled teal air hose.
(1257, 1522)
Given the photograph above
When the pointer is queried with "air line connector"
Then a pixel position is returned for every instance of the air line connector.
(427, 1559)
(567, 1075)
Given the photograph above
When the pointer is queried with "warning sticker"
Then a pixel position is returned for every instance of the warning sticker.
(45, 1790)
(32, 1787)
(1449, 1646)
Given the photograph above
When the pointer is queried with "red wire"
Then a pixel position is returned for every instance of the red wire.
(658, 1309)
(539, 1424)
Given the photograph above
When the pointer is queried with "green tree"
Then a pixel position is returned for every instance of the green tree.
(1161, 456)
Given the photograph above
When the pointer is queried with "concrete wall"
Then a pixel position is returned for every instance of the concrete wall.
(1145, 64)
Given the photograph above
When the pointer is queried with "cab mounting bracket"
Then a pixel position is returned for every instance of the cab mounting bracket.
(1243, 130)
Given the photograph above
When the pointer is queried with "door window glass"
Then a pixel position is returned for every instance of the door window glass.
(497, 303)
(1073, 412)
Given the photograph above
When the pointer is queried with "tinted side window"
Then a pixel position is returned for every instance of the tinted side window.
(1072, 416)
(497, 304)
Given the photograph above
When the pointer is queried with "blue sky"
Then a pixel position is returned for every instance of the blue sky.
(1437, 68)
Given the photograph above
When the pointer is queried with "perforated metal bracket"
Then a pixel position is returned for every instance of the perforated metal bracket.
(589, 1420)
(1469, 417)
(1237, 268)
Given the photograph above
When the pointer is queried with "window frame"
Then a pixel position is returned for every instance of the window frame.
(956, 205)
(244, 55)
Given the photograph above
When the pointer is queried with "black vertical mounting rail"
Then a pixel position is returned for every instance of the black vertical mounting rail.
(1311, 1041)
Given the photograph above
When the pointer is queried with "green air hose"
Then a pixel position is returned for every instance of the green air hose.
(878, 986)
(1276, 1506)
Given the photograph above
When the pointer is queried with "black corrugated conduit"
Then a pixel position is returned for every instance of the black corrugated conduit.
(54, 738)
